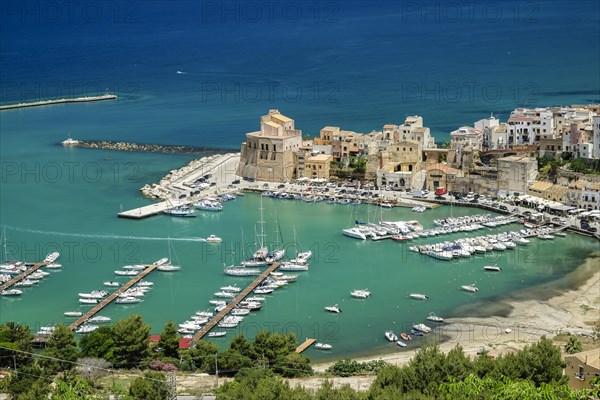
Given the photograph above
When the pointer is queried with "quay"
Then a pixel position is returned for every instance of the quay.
(213, 322)
(22, 275)
(59, 101)
(149, 268)
(307, 343)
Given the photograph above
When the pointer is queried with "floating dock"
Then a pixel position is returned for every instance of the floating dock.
(81, 320)
(307, 343)
(59, 101)
(148, 211)
(213, 322)
(22, 275)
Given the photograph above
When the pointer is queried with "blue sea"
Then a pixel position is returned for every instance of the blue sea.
(202, 73)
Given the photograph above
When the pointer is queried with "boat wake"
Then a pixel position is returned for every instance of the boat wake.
(102, 236)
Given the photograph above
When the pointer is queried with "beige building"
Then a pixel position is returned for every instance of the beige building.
(515, 173)
(268, 154)
(318, 166)
(397, 164)
(582, 367)
(440, 175)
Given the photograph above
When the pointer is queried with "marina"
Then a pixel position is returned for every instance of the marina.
(29, 271)
(234, 302)
(113, 296)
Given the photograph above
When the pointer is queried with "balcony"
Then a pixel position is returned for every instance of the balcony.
(579, 375)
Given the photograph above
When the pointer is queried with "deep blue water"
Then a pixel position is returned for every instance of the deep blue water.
(356, 64)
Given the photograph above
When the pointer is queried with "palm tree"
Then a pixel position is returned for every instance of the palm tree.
(573, 345)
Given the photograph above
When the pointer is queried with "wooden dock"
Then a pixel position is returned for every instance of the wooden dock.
(213, 322)
(149, 210)
(112, 296)
(22, 275)
(307, 343)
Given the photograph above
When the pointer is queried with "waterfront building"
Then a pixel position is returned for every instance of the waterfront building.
(318, 166)
(526, 126)
(397, 164)
(440, 175)
(515, 173)
(268, 154)
(582, 368)
(596, 137)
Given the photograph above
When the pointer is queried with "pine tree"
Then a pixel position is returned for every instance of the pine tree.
(169, 342)
(131, 341)
(61, 346)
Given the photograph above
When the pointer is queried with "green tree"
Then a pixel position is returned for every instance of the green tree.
(152, 386)
(73, 389)
(203, 356)
(131, 341)
(293, 365)
(30, 382)
(169, 342)
(573, 345)
(99, 344)
(272, 346)
(17, 337)
(61, 346)
(243, 346)
(230, 361)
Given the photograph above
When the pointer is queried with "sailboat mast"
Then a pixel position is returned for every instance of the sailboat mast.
(262, 225)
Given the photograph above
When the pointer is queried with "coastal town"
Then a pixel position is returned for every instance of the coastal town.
(544, 159)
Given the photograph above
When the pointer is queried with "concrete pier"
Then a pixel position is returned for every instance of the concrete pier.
(59, 101)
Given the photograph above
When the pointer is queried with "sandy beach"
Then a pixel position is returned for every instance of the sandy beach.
(548, 309)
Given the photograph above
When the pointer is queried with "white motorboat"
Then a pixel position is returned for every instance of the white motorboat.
(213, 239)
(208, 205)
(241, 271)
(135, 266)
(469, 288)
(95, 294)
(333, 309)
(181, 211)
(400, 343)
(88, 301)
(50, 258)
(26, 282)
(216, 302)
(323, 346)
(205, 314)
(289, 266)
(391, 336)
(11, 292)
(545, 236)
(129, 272)
(217, 334)
(53, 266)
(255, 299)
(184, 331)
(228, 324)
(360, 293)
(168, 268)
(240, 311)
(86, 328)
(128, 300)
(99, 319)
(233, 289)
(274, 256)
(493, 268)
(112, 283)
(225, 295)
(434, 318)
(145, 284)
(263, 291)
(418, 296)
(354, 233)
(73, 314)
(199, 320)
(422, 328)
(161, 261)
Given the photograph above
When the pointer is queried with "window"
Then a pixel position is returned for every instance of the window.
(262, 146)
(274, 147)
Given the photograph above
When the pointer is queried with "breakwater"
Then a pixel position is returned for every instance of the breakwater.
(143, 147)
(60, 101)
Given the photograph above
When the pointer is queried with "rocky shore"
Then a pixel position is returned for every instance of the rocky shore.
(142, 147)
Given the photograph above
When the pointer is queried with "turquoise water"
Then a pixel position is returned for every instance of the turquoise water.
(75, 213)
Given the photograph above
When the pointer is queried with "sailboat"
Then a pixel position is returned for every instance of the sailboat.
(278, 254)
(7, 264)
(301, 257)
(166, 266)
(258, 258)
(240, 271)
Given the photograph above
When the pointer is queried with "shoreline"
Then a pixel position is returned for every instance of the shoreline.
(59, 101)
(147, 148)
(546, 309)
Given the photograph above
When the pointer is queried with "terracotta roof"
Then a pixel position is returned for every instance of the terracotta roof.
(444, 168)
(540, 186)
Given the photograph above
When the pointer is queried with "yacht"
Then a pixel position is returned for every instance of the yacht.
(145, 284)
(226, 295)
(11, 292)
(217, 302)
(241, 271)
(112, 284)
(86, 328)
(233, 289)
(494, 268)
(390, 336)
(53, 265)
(26, 282)
(418, 296)
(128, 300)
(434, 318)
(73, 314)
(213, 239)
(88, 301)
(162, 261)
(354, 233)
(181, 211)
(95, 294)
(289, 266)
(263, 291)
(274, 256)
(129, 272)
(469, 288)
(255, 299)
(333, 309)
(240, 311)
(208, 205)
(360, 293)
(168, 268)
(50, 258)
(545, 236)
(99, 319)
(224, 324)
(217, 334)
(323, 346)
(422, 328)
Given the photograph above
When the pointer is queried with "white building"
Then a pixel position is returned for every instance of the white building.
(466, 136)
(596, 137)
(527, 126)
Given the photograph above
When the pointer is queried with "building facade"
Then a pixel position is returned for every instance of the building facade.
(515, 174)
(582, 367)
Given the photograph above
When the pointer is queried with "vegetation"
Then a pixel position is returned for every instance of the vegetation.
(573, 345)
(260, 366)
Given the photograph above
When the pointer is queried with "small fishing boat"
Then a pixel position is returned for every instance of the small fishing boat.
(434, 318)
(333, 309)
(405, 336)
(400, 343)
(418, 296)
(391, 336)
(217, 334)
(493, 268)
(469, 288)
(323, 346)
(213, 239)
